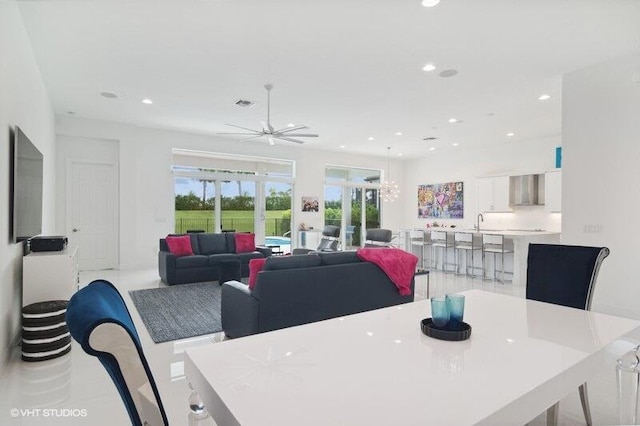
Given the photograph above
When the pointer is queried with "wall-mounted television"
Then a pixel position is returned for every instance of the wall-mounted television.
(26, 188)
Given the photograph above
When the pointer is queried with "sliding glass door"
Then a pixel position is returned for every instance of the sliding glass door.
(233, 205)
(237, 205)
(194, 205)
(351, 202)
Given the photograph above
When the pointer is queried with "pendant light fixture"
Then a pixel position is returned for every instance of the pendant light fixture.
(389, 190)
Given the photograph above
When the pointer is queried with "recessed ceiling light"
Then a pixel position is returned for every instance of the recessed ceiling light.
(429, 67)
(544, 97)
(398, 133)
(291, 125)
(147, 101)
(448, 73)
(453, 120)
(399, 154)
(430, 3)
(433, 148)
(510, 134)
(342, 147)
(455, 144)
(370, 138)
(108, 95)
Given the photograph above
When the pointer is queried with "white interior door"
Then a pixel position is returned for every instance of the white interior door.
(92, 213)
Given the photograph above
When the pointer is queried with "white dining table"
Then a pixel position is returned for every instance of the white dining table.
(378, 368)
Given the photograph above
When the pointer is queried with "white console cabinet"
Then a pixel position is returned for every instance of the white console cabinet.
(49, 275)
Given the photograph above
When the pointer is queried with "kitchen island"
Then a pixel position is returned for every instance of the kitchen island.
(517, 240)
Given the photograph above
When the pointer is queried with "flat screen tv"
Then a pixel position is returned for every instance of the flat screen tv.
(26, 183)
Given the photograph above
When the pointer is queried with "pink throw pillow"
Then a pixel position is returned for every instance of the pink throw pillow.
(180, 245)
(255, 266)
(245, 243)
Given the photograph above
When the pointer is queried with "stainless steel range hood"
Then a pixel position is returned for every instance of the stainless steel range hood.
(526, 190)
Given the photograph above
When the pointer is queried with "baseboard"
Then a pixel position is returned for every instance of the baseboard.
(15, 342)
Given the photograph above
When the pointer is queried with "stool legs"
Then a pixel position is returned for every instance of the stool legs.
(457, 253)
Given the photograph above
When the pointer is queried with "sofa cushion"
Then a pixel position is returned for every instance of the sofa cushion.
(215, 259)
(245, 243)
(191, 261)
(255, 266)
(231, 241)
(275, 263)
(180, 246)
(212, 243)
(339, 257)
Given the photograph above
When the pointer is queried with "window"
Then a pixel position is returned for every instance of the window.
(220, 192)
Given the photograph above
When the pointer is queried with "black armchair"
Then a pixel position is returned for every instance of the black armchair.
(329, 242)
(377, 237)
(564, 275)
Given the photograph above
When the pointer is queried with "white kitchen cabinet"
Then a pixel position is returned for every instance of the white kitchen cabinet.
(49, 275)
(553, 191)
(493, 194)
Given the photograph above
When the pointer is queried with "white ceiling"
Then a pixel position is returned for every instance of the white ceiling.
(349, 69)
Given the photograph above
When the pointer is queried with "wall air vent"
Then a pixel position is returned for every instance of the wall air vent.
(244, 103)
(429, 138)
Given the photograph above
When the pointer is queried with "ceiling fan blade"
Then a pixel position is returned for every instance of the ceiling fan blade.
(300, 135)
(248, 139)
(290, 129)
(254, 133)
(290, 139)
(243, 128)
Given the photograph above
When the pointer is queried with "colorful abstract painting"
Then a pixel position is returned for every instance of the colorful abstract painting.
(441, 200)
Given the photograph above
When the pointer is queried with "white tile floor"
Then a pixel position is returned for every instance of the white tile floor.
(78, 382)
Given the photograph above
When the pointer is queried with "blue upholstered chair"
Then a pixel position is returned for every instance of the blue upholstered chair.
(564, 275)
(98, 319)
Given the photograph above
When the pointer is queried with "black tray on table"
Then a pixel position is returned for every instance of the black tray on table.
(461, 331)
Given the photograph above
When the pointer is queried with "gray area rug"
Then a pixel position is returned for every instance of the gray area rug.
(179, 311)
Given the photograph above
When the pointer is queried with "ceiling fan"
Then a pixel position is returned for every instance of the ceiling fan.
(284, 134)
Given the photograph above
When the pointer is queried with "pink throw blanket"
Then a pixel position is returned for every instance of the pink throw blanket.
(399, 265)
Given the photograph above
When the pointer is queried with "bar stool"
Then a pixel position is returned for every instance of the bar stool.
(463, 243)
(439, 240)
(418, 238)
(494, 244)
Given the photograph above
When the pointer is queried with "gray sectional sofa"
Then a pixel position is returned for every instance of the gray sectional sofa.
(295, 290)
(209, 250)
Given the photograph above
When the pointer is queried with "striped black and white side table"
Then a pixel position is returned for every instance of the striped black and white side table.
(44, 331)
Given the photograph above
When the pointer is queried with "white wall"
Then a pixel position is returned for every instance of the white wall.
(23, 102)
(467, 165)
(146, 180)
(601, 150)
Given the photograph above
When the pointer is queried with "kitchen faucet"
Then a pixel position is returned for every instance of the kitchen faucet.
(478, 219)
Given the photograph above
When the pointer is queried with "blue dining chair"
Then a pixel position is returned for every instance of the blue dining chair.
(99, 320)
(564, 275)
